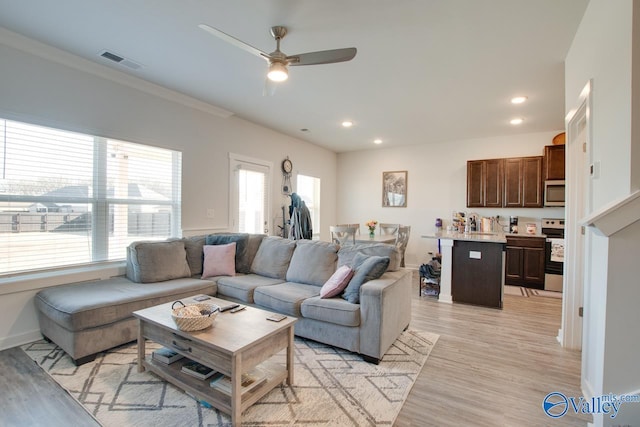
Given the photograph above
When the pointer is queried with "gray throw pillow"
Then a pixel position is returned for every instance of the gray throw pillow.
(149, 262)
(365, 268)
(272, 259)
(242, 242)
(346, 254)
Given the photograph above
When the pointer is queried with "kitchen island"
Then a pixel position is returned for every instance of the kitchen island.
(472, 267)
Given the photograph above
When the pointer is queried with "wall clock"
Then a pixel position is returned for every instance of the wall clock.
(287, 168)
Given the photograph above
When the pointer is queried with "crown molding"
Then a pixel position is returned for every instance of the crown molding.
(25, 44)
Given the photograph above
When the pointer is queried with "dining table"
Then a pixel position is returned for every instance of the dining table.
(377, 238)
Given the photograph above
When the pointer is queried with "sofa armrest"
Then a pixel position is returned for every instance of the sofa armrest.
(385, 310)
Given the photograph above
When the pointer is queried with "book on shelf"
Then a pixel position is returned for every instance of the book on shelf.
(250, 381)
(198, 370)
(166, 355)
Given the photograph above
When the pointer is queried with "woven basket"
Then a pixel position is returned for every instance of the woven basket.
(187, 320)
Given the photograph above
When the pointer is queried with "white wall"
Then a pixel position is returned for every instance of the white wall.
(436, 184)
(602, 51)
(74, 94)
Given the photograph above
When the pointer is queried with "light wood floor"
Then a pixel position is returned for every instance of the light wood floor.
(489, 368)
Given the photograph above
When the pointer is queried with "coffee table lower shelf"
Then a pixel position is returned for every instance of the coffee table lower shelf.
(200, 389)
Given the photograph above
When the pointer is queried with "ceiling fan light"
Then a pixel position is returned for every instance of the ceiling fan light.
(278, 72)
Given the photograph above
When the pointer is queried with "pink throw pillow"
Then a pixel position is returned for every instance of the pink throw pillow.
(219, 260)
(337, 282)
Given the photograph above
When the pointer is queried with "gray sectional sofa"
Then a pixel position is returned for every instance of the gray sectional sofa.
(272, 273)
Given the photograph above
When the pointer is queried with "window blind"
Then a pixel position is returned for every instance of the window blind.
(68, 198)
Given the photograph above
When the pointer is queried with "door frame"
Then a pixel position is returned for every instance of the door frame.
(235, 162)
(578, 199)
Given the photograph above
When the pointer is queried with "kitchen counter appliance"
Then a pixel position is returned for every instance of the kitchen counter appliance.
(553, 228)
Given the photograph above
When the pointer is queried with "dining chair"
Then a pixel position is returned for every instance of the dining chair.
(356, 226)
(389, 228)
(402, 238)
(343, 235)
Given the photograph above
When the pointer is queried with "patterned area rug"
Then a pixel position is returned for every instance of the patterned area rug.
(527, 292)
(333, 387)
(542, 293)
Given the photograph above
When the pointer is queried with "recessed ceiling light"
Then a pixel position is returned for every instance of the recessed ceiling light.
(347, 124)
(304, 130)
(517, 121)
(377, 141)
(518, 99)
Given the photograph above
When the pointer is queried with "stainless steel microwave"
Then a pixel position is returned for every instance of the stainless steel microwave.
(554, 193)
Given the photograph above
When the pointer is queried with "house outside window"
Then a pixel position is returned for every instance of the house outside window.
(69, 199)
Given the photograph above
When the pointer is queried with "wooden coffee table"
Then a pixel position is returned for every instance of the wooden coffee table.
(236, 343)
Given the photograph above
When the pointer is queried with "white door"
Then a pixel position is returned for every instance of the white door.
(250, 183)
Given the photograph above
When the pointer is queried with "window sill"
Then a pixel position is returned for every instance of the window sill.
(45, 279)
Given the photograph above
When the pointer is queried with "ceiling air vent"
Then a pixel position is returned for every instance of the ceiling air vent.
(120, 60)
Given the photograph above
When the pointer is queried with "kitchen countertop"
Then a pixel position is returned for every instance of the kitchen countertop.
(478, 236)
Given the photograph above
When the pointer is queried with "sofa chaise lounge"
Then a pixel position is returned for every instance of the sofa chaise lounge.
(276, 274)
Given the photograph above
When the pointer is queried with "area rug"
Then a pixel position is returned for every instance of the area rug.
(528, 292)
(515, 290)
(542, 293)
(332, 387)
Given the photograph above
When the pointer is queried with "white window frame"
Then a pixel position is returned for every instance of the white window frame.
(236, 162)
(100, 202)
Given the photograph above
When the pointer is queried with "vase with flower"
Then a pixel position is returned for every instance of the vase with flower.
(372, 228)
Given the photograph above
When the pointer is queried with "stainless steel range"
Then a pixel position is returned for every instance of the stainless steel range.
(553, 228)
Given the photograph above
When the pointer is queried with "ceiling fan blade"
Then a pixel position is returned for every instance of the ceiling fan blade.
(323, 56)
(234, 41)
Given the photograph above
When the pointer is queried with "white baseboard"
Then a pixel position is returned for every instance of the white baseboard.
(20, 339)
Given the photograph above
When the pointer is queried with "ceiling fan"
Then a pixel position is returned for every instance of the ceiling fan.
(279, 61)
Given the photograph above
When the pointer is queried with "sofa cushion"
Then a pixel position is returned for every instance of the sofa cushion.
(347, 253)
(366, 268)
(149, 262)
(219, 260)
(241, 240)
(313, 262)
(252, 249)
(193, 245)
(332, 310)
(91, 304)
(337, 282)
(242, 287)
(284, 298)
(273, 256)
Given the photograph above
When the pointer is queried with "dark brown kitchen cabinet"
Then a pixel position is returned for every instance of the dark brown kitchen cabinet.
(523, 182)
(524, 263)
(554, 162)
(476, 273)
(485, 183)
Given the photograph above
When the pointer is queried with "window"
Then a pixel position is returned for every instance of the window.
(308, 188)
(68, 198)
(249, 207)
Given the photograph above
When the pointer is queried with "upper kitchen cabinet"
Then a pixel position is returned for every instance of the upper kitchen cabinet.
(510, 183)
(523, 182)
(485, 180)
(554, 163)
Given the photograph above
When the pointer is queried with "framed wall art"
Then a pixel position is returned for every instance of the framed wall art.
(394, 189)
